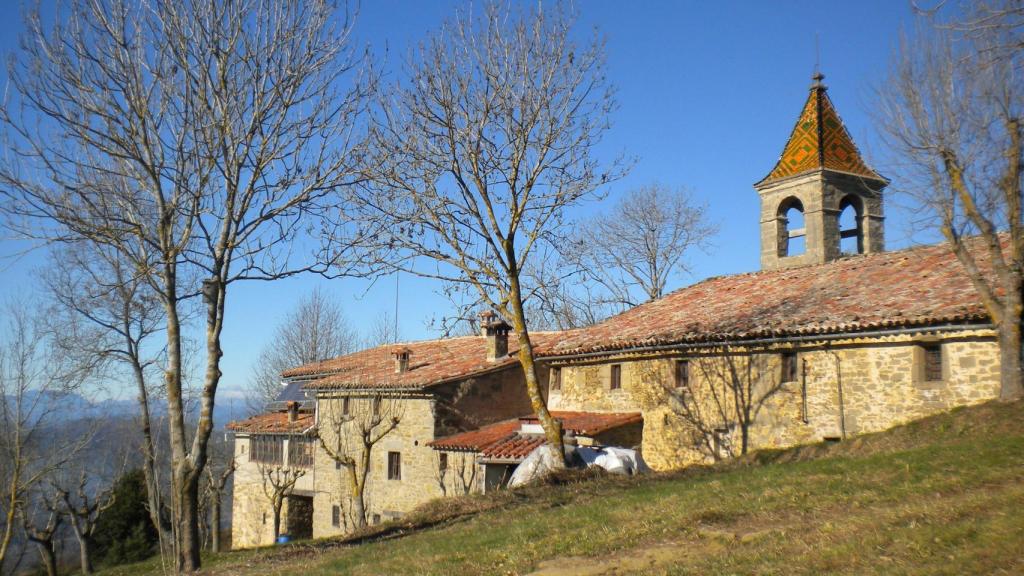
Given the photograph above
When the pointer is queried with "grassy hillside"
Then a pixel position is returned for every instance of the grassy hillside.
(939, 496)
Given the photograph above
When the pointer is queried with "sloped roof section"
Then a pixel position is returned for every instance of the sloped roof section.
(819, 141)
(908, 288)
(504, 440)
(431, 362)
(273, 423)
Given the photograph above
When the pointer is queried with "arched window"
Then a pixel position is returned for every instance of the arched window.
(792, 234)
(851, 234)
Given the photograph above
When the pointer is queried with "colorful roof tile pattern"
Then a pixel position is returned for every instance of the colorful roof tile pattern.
(431, 362)
(909, 288)
(819, 141)
(504, 441)
(273, 423)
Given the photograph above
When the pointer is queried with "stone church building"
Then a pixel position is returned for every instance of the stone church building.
(833, 337)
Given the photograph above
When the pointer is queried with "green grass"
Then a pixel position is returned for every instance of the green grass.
(939, 496)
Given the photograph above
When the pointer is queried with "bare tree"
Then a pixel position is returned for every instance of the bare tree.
(479, 154)
(314, 330)
(106, 310)
(216, 485)
(349, 436)
(722, 394)
(278, 485)
(83, 505)
(633, 250)
(41, 522)
(198, 140)
(34, 383)
(952, 115)
(383, 331)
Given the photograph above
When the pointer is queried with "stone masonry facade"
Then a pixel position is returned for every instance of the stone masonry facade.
(842, 388)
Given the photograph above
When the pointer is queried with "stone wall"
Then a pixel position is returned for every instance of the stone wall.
(880, 383)
(476, 402)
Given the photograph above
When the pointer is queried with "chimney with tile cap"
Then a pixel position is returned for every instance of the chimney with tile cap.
(495, 330)
(401, 355)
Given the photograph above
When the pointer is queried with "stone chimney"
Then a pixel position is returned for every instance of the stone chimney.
(293, 411)
(401, 356)
(496, 331)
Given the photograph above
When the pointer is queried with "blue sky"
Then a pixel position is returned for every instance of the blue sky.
(708, 93)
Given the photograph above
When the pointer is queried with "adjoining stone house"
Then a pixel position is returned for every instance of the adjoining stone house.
(826, 344)
(282, 438)
(434, 388)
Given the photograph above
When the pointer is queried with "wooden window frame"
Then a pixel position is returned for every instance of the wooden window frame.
(346, 406)
(555, 379)
(789, 367)
(932, 362)
(394, 465)
(682, 374)
(615, 377)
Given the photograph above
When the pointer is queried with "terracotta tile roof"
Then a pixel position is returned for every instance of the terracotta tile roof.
(273, 423)
(431, 362)
(503, 440)
(819, 140)
(915, 287)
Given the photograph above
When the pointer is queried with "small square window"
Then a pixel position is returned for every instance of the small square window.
(616, 377)
(376, 518)
(683, 374)
(336, 516)
(556, 379)
(790, 372)
(394, 465)
(932, 362)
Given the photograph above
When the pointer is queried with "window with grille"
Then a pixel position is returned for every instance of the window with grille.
(267, 449)
(683, 374)
(790, 372)
(394, 465)
(932, 362)
(300, 452)
(616, 377)
(556, 379)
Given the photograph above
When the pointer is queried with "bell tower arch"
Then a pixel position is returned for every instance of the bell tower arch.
(822, 178)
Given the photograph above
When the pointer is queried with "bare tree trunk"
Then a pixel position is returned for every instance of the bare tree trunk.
(1010, 381)
(84, 556)
(47, 556)
(215, 522)
(278, 504)
(552, 428)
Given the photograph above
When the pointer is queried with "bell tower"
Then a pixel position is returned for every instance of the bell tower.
(821, 201)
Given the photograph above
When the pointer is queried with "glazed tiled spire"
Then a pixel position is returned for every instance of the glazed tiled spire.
(819, 141)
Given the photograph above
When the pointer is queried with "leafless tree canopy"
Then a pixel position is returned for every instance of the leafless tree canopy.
(203, 142)
(633, 250)
(34, 382)
(316, 329)
(480, 152)
(952, 114)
